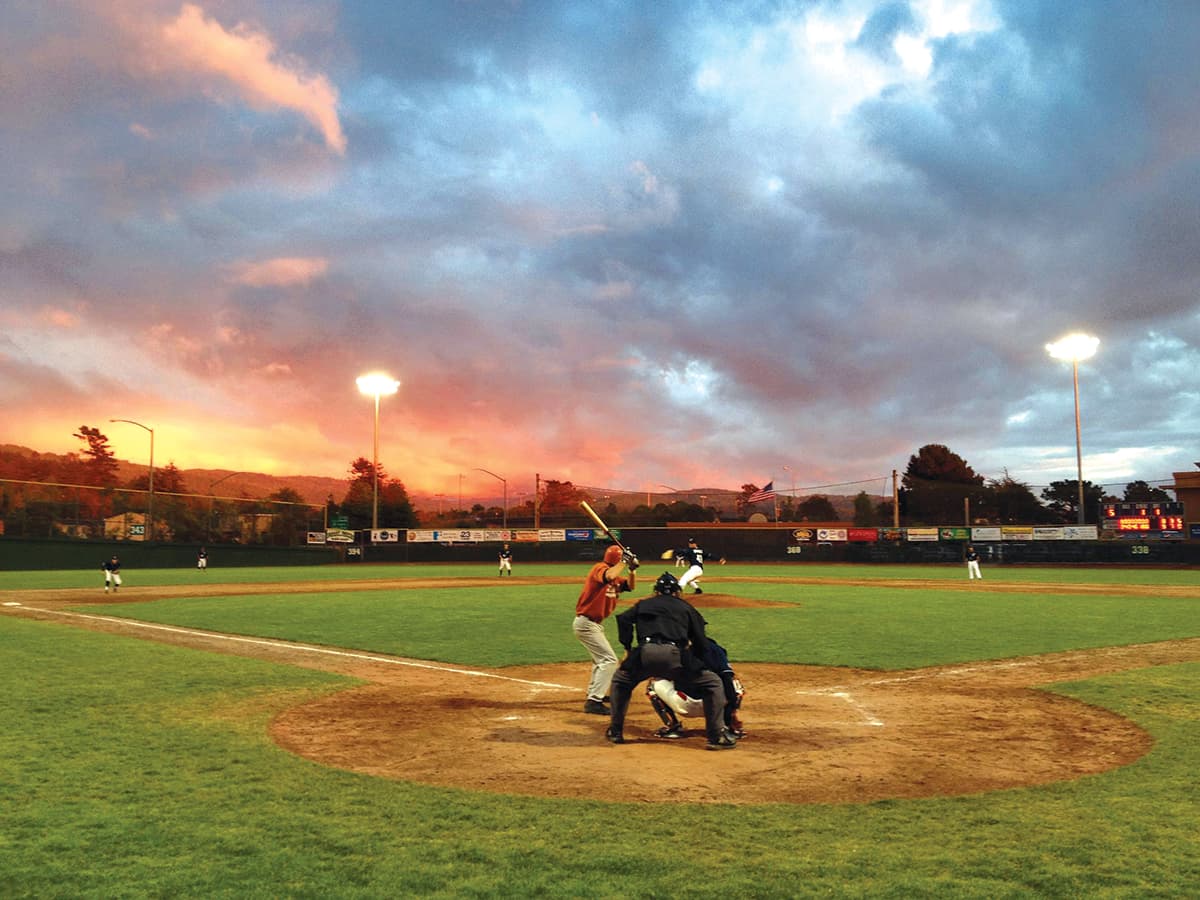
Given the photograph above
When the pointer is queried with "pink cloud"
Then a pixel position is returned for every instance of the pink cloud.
(244, 58)
(59, 318)
(281, 271)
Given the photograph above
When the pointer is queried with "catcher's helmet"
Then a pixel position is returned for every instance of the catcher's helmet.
(667, 584)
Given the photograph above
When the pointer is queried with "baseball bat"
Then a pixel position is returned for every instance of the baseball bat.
(587, 507)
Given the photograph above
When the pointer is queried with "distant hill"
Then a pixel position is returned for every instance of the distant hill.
(316, 489)
(220, 482)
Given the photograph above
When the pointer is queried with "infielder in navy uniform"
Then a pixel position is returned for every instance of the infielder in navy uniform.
(694, 557)
(112, 574)
(670, 644)
(506, 560)
(972, 558)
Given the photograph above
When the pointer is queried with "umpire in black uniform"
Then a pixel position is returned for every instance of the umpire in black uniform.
(670, 644)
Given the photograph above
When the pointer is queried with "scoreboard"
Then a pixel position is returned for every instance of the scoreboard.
(1142, 516)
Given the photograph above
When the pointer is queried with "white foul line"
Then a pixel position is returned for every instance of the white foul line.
(845, 695)
(307, 648)
(955, 670)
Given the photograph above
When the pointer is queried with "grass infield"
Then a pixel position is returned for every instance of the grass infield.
(130, 768)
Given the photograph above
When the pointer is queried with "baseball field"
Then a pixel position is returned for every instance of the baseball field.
(368, 731)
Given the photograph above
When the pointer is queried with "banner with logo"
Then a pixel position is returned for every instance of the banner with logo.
(955, 534)
(384, 535)
(1044, 533)
(340, 536)
(1016, 532)
(981, 533)
(1081, 532)
(802, 535)
(831, 534)
(868, 535)
(921, 534)
(316, 537)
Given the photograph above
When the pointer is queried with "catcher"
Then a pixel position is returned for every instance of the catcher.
(672, 699)
(671, 643)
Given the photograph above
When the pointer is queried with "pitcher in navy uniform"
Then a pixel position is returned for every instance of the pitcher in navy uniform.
(694, 557)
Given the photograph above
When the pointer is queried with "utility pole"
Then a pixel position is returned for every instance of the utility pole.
(895, 501)
(537, 500)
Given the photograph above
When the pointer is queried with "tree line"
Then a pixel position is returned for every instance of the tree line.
(938, 487)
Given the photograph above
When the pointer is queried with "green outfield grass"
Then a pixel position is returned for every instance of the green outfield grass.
(134, 769)
(77, 578)
(824, 624)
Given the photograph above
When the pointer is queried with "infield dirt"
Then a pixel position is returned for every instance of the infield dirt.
(815, 734)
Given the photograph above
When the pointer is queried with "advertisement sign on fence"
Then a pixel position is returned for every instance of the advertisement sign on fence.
(1044, 533)
(921, 534)
(339, 536)
(982, 533)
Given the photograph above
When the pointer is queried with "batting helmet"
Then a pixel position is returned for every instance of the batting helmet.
(667, 584)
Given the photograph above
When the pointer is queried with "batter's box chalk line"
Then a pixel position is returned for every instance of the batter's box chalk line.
(865, 715)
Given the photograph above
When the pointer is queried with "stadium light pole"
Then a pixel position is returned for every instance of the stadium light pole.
(504, 482)
(1075, 348)
(212, 500)
(149, 536)
(376, 384)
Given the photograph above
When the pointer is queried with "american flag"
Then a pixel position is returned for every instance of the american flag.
(767, 493)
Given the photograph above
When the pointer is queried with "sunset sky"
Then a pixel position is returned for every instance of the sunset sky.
(623, 244)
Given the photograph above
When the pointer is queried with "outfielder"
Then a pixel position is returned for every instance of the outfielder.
(506, 561)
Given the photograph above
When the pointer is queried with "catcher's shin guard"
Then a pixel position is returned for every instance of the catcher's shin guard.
(664, 712)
